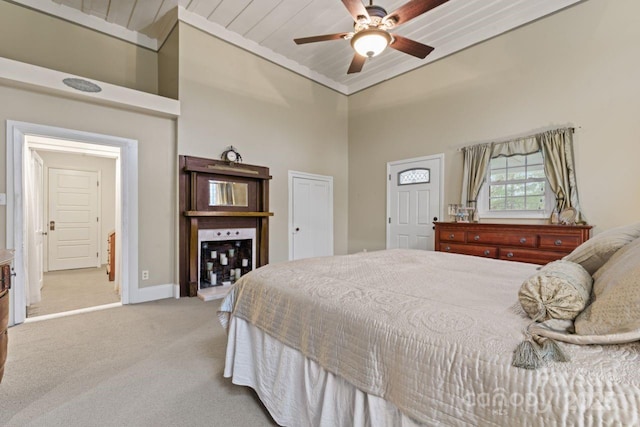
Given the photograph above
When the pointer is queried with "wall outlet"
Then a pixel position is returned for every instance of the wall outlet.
(145, 274)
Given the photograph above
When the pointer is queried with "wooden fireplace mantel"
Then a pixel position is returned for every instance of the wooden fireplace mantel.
(228, 214)
(197, 214)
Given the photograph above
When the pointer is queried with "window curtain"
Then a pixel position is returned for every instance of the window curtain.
(559, 167)
(476, 162)
(522, 146)
(557, 151)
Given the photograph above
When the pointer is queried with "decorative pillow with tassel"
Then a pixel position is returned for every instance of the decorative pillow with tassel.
(559, 290)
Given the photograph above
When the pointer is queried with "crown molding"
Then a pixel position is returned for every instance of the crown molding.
(235, 39)
(91, 22)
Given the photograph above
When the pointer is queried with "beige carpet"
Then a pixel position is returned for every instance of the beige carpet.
(153, 364)
(67, 290)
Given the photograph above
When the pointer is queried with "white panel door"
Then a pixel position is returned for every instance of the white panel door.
(413, 202)
(73, 219)
(311, 219)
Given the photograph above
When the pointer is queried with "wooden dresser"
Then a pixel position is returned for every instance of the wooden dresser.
(537, 244)
(111, 256)
(5, 284)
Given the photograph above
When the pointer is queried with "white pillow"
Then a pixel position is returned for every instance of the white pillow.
(596, 251)
(616, 296)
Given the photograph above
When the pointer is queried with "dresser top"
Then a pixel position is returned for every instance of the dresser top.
(487, 225)
(6, 256)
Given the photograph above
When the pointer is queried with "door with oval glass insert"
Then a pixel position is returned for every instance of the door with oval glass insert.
(413, 202)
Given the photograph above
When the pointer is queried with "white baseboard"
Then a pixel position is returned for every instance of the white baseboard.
(151, 293)
(71, 312)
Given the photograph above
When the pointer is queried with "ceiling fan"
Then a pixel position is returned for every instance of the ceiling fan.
(371, 36)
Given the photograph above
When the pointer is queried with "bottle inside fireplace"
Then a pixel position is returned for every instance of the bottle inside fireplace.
(222, 263)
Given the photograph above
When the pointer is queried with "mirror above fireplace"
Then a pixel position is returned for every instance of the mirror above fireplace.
(226, 193)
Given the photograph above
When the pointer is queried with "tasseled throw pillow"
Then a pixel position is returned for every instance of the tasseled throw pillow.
(560, 290)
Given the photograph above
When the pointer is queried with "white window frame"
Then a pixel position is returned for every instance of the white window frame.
(484, 212)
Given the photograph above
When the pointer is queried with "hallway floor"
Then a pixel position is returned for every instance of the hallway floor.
(66, 290)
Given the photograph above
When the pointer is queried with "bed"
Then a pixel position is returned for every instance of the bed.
(411, 338)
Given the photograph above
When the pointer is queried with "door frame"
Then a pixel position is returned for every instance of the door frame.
(39, 204)
(305, 175)
(440, 158)
(126, 224)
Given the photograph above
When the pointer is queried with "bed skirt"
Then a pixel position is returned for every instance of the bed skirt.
(297, 391)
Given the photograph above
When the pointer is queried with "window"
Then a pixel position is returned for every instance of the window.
(516, 187)
(414, 176)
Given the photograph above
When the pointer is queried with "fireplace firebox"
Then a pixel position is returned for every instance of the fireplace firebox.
(224, 256)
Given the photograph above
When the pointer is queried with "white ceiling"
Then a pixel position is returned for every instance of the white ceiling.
(268, 27)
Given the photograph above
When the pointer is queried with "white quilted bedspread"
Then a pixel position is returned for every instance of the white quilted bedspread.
(434, 333)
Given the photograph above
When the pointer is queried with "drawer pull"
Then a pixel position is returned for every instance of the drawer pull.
(510, 255)
(451, 236)
(523, 240)
(487, 252)
(558, 242)
(476, 237)
(447, 248)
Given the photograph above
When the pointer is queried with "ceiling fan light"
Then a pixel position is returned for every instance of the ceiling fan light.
(371, 42)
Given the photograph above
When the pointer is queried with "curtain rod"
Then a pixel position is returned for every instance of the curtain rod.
(571, 128)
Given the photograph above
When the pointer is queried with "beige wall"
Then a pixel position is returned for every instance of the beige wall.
(169, 65)
(107, 172)
(35, 38)
(156, 166)
(578, 67)
(273, 117)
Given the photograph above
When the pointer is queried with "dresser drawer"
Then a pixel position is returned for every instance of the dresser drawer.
(476, 250)
(4, 338)
(4, 320)
(4, 310)
(559, 242)
(451, 236)
(521, 239)
(5, 277)
(529, 255)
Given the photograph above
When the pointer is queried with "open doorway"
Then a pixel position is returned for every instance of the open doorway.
(22, 139)
(71, 204)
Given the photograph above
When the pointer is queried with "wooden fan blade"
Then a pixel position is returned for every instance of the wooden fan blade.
(326, 37)
(356, 8)
(411, 47)
(411, 9)
(356, 64)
